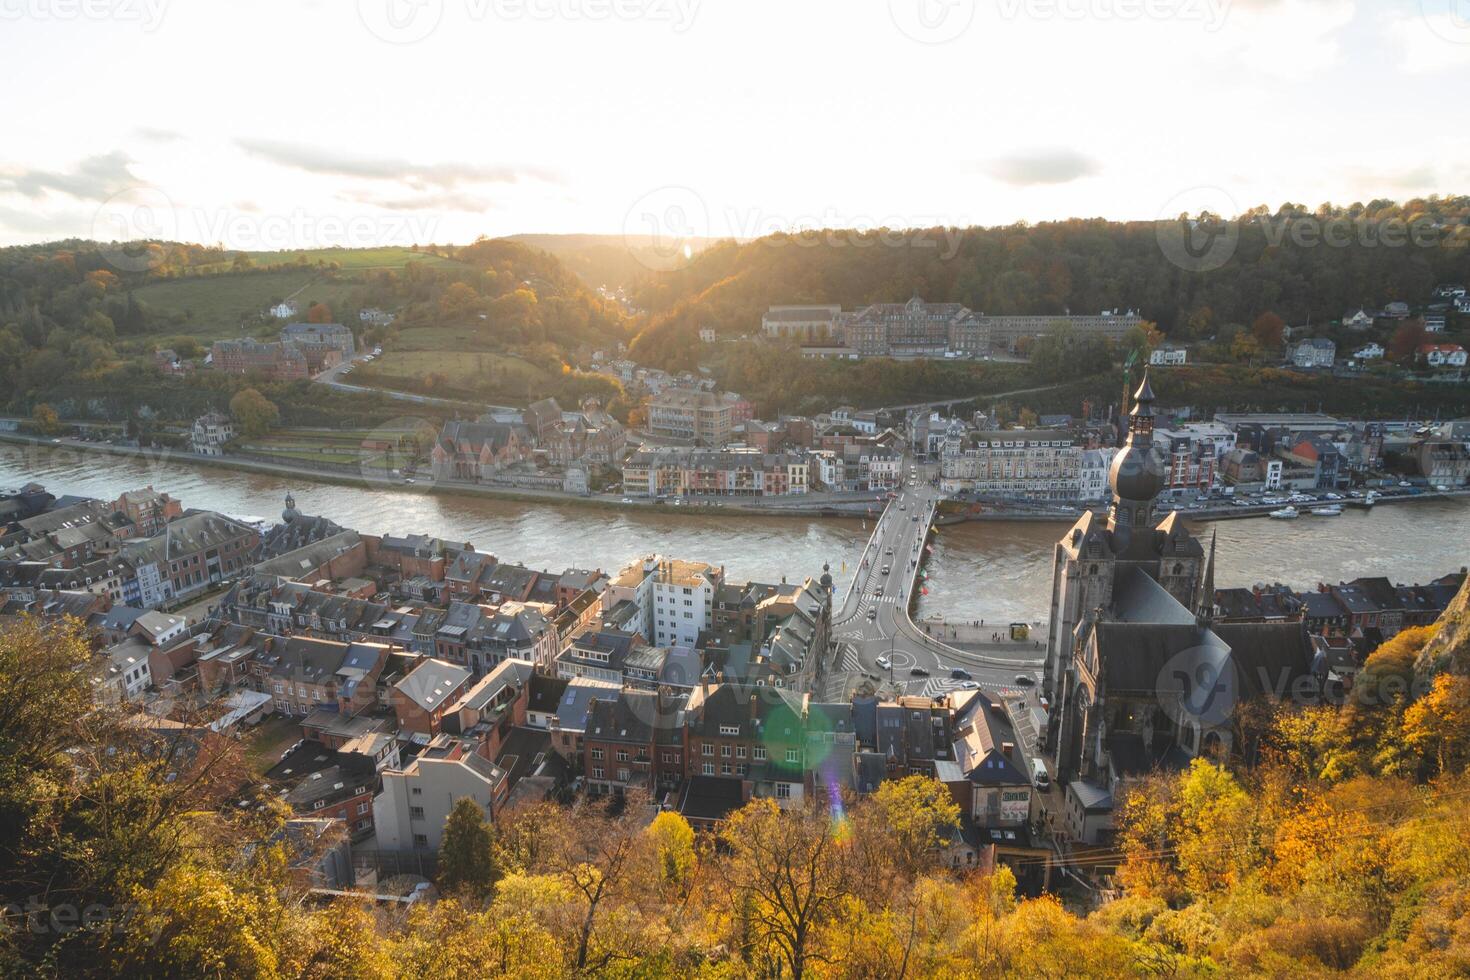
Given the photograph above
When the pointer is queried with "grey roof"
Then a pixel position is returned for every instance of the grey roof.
(432, 683)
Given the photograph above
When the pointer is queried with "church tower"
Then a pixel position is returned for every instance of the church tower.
(1136, 477)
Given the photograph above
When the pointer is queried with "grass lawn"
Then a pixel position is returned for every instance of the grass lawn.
(215, 307)
(471, 371)
(354, 259)
(270, 739)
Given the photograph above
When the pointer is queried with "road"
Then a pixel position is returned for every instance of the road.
(876, 638)
(332, 378)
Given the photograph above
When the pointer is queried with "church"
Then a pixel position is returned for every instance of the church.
(1138, 675)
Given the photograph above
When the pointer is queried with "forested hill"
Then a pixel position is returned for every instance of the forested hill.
(1300, 263)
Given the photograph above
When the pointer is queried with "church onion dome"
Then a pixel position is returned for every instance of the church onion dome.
(1137, 473)
(290, 513)
(826, 579)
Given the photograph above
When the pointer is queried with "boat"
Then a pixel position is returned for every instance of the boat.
(1286, 514)
(1371, 499)
(1331, 510)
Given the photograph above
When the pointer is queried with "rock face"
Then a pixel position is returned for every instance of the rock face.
(1450, 648)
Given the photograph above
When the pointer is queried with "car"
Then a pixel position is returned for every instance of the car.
(918, 672)
(969, 686)
(960, 674)
(906, 506)
(873, 613)
(627, 500)
(884, 662)
(408, 479)
(878, 593)
(887, 569)
(377, 350)
(1025, 680)
(1405, 484)
(915, 517)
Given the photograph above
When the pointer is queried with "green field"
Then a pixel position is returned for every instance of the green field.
(467, 371)
(216, 307)
(353, 259)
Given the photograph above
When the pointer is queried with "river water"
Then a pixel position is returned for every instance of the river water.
(998, 571)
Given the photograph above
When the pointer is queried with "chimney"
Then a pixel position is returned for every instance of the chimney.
(754, 705)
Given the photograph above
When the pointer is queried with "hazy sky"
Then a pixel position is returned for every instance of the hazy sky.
(272, 123)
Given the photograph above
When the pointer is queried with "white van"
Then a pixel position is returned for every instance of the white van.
(1039, 777)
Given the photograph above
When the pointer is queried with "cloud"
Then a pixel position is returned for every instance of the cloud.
(428, 201)
(331, 163)
(96, 178)
(1431, 43)
(154, 135)
(1041, 166)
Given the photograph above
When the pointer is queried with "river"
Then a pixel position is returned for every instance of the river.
(999, 571)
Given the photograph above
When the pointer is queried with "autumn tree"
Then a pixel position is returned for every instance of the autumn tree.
(788, 875)
(1438, 724)
(46, 419)
(1269, 331)
(467, 851)
(255, 413)
(1407, 339)
(319, 313)
(673, 851)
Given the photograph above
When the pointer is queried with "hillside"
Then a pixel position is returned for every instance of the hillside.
(611, 261)
(1079, 265)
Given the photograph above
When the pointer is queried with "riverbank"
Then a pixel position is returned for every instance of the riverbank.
(808, 507)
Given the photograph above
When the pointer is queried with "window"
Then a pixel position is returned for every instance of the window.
(739, 751)
(363, 808)
(622, 775)
(729, 729)
(597, 772)
(759, 753)
(783, 791)
(622, 755)
(416, 812)
(417, 791)
(725, 751)
(420, 840)
(790, 755)
(708, 769)
(597, 755)
(708, 748)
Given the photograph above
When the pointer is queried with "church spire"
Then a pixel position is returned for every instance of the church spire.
(1206, 610)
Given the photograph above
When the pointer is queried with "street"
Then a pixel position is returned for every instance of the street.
(873, 632)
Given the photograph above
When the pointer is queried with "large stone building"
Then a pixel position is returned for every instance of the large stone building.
(276, 361)
(1138, 672)
(914, 329)
(805, 323)
(694, 416)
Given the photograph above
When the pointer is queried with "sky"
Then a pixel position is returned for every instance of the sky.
(267, 124)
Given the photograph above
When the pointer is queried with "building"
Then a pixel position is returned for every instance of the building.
(1314, 352)
(1369, 352)
(324, 344)
(1441, 355)
(475, 451)
(1139, 674)
(425, 693)
(1168, 355)
(1092, 475)
(193, 554)
(410, 812)
(210, 432)
(676, 472)
(914, 329)
(693, 416)
(276, 361)
(1017, 464)
(807, 324)
(683, 600)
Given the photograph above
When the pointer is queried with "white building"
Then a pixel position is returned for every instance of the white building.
(1168, 356)
(285, 310)
(1369, 352)
(634, 584)
(410, 812)
(1093, 474)
(1315, 352)
(210, 433)
(880, 469)
(683, 598)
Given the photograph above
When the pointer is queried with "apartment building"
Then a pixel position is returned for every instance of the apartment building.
(683, 600)
(676, 472)
(1042, 465)
(415, 802)
(803, 323)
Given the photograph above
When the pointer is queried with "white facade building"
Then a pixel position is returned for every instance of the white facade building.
(683, 600)
(1093, 475)
(1167, 356)
(410, 812)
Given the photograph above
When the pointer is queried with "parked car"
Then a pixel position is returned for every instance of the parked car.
(918, 672)
(960, 674)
